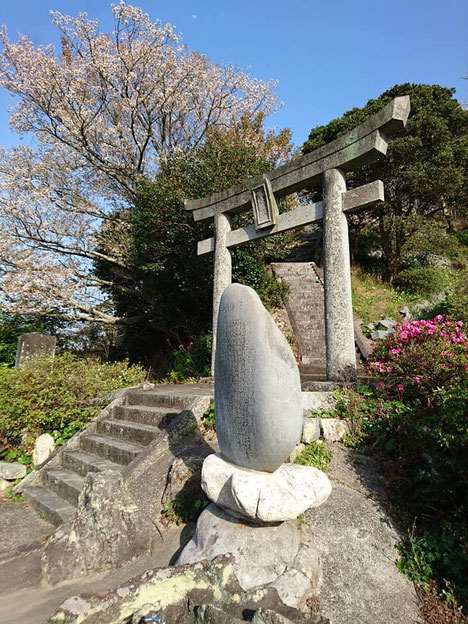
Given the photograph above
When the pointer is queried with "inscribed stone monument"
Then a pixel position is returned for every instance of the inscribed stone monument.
(257, 387)
(30, 345)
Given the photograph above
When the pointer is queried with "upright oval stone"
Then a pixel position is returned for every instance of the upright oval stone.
(257, 387)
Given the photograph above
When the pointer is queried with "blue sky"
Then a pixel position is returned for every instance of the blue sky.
(329, 55)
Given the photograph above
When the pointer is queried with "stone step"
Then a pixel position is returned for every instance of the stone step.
(116, 451)
(161, 399)
(146, 415)
(128, 431)
(50, 505)
(82, 462)
(65, 483)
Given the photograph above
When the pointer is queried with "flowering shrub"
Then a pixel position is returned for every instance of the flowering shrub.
(420, 357)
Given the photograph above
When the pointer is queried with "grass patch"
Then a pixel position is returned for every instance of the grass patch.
(316, 455)
(374, 300)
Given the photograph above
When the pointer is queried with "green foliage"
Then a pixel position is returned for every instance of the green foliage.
(424, 174)
(437, 554)
(455, 304)
(209, 417)
(58, 396)
(423, 445)
(374, 300)
(425, 280)
(167, 288)
(186, 506)
(192, 361)
(316, 455)
(16, 455)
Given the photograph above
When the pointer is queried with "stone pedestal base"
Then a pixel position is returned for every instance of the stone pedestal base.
(264, 497)
(283, 556)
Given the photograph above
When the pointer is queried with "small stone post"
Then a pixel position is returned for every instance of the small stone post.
(32, 344)
(339, 328)
(222, 271)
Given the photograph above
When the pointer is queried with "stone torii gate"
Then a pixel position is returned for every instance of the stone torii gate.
(327, 164)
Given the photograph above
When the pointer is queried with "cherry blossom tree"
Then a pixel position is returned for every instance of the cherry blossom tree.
(101, 114)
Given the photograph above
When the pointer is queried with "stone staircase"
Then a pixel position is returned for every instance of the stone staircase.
(111, 442)
(306, 311)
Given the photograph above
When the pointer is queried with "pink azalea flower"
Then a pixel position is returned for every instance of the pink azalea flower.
(395, 351)
(389, 369)
(417, 379)
(400, 387)
(380, 384)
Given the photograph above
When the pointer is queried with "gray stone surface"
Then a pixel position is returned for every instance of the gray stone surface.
(318, 401)
(339, 322)
(360, 580)
(30, 345)
(310, 430)
(4, 484)
(204, 593)
(357, 542)
(257, 387)
(387, 323)
(222, 274)
(22, 534)
(12, 471)
(43, 447)
(333, 429)
(283, 556)
(264, 497)
(107, 530)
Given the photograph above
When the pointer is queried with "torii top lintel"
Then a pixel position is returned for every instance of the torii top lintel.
(361, 145)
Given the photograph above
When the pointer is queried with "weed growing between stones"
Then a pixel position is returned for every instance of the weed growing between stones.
(316, 455)
(185, 507)
(209, 417)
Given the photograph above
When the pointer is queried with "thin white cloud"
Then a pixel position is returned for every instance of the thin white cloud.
(194, 16)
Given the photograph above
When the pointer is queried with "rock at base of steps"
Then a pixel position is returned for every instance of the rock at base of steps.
(107, 530)
(282, 556)
(203, 593)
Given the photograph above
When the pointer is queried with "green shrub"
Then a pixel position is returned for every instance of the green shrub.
(209, 417)
(424, 280)
(422, 444)
(316, 455)
(58, 395)
(193, 360)
(456, 302)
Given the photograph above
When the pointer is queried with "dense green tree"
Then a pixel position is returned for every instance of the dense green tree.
(424, 172)
(165, 287)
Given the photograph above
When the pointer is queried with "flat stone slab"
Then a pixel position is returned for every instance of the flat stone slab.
(261, 496)
(318, 401)
(11, 471)
(257, 386)
(283, 556)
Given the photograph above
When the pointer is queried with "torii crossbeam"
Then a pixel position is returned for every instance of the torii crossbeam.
(327, 164)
